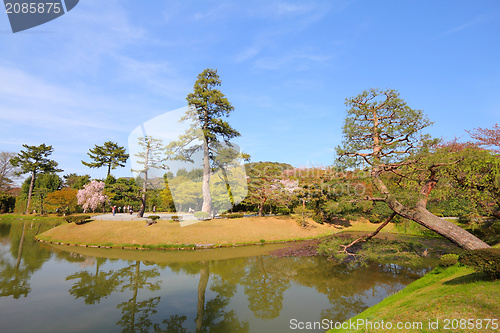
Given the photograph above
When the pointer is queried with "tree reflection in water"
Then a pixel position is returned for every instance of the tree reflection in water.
(136, 313)
(264, 280)
(211, 316)
(265, 284)
(25, 257)
(93, 287)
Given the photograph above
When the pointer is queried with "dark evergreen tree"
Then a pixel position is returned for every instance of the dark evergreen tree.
(75, 181)
(34, 160)
(109, 154)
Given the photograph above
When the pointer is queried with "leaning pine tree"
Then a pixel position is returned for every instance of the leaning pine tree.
(207, 106)
(384, 134)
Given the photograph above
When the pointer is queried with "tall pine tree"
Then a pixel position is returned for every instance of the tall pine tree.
(151, 156)
(207, 107)
(109, 154)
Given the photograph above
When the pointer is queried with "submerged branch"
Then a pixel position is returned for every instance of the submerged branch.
(366, 237)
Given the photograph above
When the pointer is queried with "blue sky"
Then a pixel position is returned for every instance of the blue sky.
(98, 72)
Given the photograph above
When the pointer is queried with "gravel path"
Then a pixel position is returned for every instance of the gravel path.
(134, 217)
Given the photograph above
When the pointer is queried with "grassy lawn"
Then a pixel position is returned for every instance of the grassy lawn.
(167, 234)
(438, 298)
(29, 217)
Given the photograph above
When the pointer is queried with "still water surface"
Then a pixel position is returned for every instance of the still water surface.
(48, 288)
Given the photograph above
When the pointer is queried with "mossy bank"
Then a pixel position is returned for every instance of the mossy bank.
(453, 299)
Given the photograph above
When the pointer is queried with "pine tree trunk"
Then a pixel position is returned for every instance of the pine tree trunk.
(449, 230)
(422, 216)
(144, 186)
(228, 187)
(134, 297)
(20, 251)
(202, 286)
(143, 205)
(207, 197)
(32, 184)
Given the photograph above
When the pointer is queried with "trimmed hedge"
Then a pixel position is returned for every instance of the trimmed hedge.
(77, 219)
(483, 260)
(176, 218)
(153, 217)
(448, 260)
(232, 216)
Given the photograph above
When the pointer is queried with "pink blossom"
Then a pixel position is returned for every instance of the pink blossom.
(91, 196)
(289, 185)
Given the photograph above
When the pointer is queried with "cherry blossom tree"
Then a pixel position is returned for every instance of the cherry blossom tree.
(267, 186)
(92, 196)
(289, 185)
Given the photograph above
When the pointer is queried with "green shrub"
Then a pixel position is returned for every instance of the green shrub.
(176, 218)
(7, 203)
(202, 215)
(77, 219)
(302, 214)
(448, 259)
(491, 231)
(330, 247)
(153, 217)
(283, 210)
(317, 218)
(463, 219)
(483, 260)
(232, 215)
(82, 220)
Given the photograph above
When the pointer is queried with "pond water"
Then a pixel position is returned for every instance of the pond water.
(48, 288)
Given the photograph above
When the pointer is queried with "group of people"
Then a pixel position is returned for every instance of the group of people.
(126, 209)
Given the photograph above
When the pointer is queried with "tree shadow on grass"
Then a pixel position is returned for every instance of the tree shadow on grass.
(339, 223)
(84, 222)
(469, 278)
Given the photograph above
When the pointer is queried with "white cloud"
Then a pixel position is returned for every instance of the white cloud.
(214, 13)
(248, 53)
(19, 86)
(293, 61)
(477, 20)
(158, 77)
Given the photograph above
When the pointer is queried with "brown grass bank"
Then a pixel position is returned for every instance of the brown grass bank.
(224, 232)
